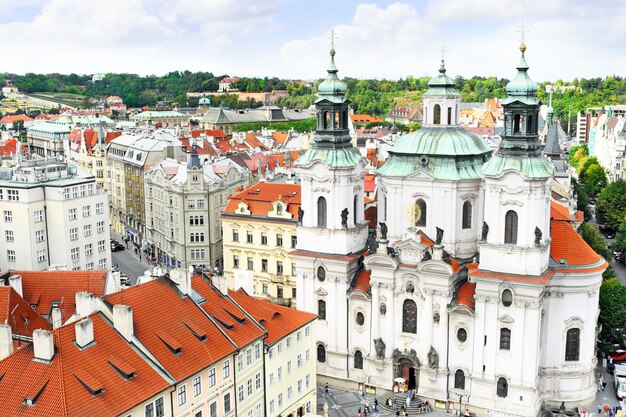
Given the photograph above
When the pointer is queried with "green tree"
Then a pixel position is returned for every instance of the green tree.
(576, 152)
(612, 316)
(611, 204)
(592, 236)
(620, 239)
(594, 178)
(18, 126)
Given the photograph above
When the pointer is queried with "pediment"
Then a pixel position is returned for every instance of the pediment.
(380, 260)
(321, 292)
(505, 318)
(420, 173)
(411, 251)
(434, 266)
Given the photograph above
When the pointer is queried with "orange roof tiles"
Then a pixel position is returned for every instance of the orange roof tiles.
(18, 314)
(65, 386)
(364, 118)
(260, 202)
(15, 118)
(570, 246)
(277, 320)
(559, 212)
(10, 148)
(362, 281)
(44, 287)
(465, 294)
(370, 183)
(280, 137)
(252, 140)
(159, 317)
(579, 216)
(216, 133)
(228, 315)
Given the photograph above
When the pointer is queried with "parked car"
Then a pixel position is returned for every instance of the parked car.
(619, 256)
(619, 356)
(116, 247)
(609, 233)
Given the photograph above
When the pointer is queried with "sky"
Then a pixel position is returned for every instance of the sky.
(290, 38)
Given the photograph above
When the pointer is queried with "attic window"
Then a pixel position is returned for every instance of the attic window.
(172, 344)
(223, 323)
(122, 367)
(279, 209)
(240, 319)
(196, 330)
(275, 315)
(34, 393)
(90, 383)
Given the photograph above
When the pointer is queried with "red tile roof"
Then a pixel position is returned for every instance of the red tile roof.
(570, 246)
(362, 281)
(56, 388)
(15, 118)
(364, 118)
(260, 202)
(280, 137)
(279, 321)
(216, 133)
(228, 315)
(465, 294)
(370, 183)
(41, 288)
(559, 212)
(160, 319)
(10, 148)
(18, 314)
(252, 140)
(579, 216)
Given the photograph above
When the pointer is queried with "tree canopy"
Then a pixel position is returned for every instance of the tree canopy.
(611, 204)
(612, 316)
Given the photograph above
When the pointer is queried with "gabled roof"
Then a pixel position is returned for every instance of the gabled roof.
(18, 314)
(42, 288)
(62, 387)
(167, 324)
(15, 118)
(361, 281)
(277, 320)
(259, 198)
(231, 319)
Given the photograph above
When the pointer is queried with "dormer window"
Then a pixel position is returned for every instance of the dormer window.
(279, 209)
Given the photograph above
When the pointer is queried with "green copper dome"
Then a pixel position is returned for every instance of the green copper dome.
(332, 88)
(521, 87)
(441, 85)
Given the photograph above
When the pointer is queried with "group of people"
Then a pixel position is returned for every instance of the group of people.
(601, 384)
(608, 411)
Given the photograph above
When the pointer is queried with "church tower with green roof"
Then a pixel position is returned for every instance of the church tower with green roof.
(516, 233)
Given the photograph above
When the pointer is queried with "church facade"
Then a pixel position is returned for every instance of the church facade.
(477, 286)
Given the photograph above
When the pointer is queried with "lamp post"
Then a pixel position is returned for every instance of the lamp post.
(460, 399)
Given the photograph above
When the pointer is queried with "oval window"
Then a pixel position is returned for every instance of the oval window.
(321, 274)
(507, 298)
(360, 319)
(461, 334)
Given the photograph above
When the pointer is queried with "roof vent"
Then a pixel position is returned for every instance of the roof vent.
(563, 261)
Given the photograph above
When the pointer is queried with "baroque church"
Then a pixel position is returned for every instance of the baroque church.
(476, 287)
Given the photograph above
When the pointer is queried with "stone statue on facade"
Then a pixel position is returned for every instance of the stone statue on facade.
(433, 358)
(485, 231)
(538, 236)
(383, 230)
(379, 345)
(371, 245)
(300, 215)
(344, 217)
(439, 237)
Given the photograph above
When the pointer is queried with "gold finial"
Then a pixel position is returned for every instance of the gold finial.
(522, 31)
(332, 38)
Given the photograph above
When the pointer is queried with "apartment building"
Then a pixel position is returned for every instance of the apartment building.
(52, 217)
(259, 233)
(183, 205)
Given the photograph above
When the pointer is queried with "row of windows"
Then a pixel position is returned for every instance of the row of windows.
(264, 240)
(279, 345)
(250, 387)
(74, 253)
(12, 195)
(248, 356)
(264, 268)
(76, 191)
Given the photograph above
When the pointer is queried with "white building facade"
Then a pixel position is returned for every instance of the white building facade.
(52, 217)
(478, 290)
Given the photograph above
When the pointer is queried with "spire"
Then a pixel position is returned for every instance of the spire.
(194, 161)
(550, 111)
(102, 142)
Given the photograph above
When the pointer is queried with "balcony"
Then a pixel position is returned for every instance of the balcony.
(279, 300)
(278, 279)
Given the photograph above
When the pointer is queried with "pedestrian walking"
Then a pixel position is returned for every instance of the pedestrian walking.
(376, 405)
(395, 404)
(603, 386)
(599, 408)
(408, 401)
(326, 388)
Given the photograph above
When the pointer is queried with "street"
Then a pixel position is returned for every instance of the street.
(127, 261)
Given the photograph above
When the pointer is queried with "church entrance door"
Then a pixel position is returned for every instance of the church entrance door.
(408, 373)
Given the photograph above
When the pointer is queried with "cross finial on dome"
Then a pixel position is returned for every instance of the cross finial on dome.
(443, 48)
(522, 31)
(332, 38)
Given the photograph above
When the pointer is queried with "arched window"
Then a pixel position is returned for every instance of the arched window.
(358, 360)
(529, 125)
(503, 388)
(326, 120)
(449, 115)
(383, 214)
(459, 379)
(572, 345)
(354, 209)
(321, 309)
(420, 213)
(517, 119)
(437, 114)
(409, 316)
(505, 338)
(321, 353)
(467, 215)
(321, 212)
(338, 120)
(279, 209)
(510, 227)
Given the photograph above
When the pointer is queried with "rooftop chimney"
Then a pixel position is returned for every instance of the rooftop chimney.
(182, 278)
(84, 332)
(43, 343)
(85, 303)
(123, 320)
(56, 318)
(6, 341)
(15, 281)
(221, 283)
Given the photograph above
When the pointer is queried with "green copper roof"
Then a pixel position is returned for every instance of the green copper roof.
(522, 88)
(449, 140)
(347, 157)
(441, 85)
(450, 153)
(532, 167)
(332, 89)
